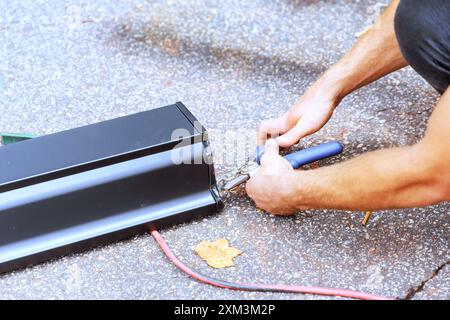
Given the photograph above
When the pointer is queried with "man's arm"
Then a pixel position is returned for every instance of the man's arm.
(375, 54)
(395, 178)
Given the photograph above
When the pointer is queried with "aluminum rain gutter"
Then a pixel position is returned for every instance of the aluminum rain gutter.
(104, 182)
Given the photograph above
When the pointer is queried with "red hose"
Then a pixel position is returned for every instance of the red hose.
(261, 287)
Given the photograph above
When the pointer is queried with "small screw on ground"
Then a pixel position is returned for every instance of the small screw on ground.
(366, 217)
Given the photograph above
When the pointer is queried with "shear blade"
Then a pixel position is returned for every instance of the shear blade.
(233, 183)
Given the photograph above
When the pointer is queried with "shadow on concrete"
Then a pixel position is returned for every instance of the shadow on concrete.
(211, 55)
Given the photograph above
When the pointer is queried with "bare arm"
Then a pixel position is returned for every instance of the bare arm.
(375, 54)
(395, 178)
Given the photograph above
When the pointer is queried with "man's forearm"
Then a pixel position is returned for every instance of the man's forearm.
(385, 179)
(375, 55)
(394, 178)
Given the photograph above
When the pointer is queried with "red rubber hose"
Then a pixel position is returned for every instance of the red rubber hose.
(261, 287)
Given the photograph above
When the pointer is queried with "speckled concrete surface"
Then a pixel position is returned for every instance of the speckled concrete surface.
(233, 63)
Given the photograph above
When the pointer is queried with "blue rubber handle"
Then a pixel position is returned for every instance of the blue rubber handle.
(309, 155)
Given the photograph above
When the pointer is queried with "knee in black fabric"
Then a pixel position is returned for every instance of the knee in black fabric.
(423, 34)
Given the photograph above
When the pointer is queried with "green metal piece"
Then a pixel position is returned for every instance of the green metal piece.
(8, 138)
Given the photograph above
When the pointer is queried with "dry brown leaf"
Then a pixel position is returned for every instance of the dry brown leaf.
(217, 254)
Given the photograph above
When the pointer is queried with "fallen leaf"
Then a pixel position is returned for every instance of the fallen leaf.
(217, 254)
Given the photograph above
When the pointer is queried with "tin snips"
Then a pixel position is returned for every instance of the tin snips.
(296, 159)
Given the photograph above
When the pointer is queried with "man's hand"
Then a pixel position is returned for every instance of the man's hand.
(403, 177)
(394, 178)
(271, 186)
(376, 54)
(307, 116)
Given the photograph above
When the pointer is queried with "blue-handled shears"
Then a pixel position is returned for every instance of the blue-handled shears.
(296, 159)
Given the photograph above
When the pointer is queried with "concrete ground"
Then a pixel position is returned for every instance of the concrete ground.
(234, 63)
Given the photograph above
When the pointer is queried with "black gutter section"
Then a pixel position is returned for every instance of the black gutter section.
(104, 182)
